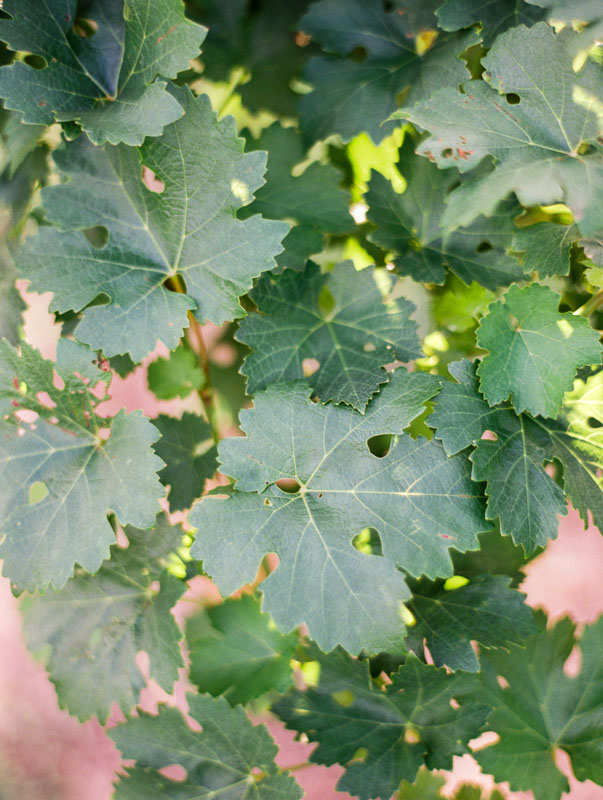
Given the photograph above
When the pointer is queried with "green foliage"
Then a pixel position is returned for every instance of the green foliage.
(341, 319)
(96, 625)
(221, 759)
(415, 411)
(383, 736)
(237, 652)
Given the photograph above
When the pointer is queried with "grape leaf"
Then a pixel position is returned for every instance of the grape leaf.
(352, 340)
(546, 248)
(11, 304)
(536, 141)
(257, 35)
(175, 376)
(106, 81)
(426, 786)
(396, 730)
(588, 15)
(534, 350)
(409, 224)
(189, 229)
(420, 502)
(351, 96)
(541, 709)
(96, 625)
(458, 307)
(485, 609)
(223, 759)
(494, 16)
(313, 199)
(61, 475)
(236, 651)
(187, 448)
(519, 489)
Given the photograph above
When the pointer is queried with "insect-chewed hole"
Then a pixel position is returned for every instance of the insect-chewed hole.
(38, 491)
(447, 153)
(483, 247)
(380, 445)
(35, 61)
(489, 436)
(344, 698)
(310, 366)
(594, 423)
(368, 541)
(502, 682)
(97, 236)
(174, 772)
(151, 181)
(86, 28)
(358, 54)
(513, 99)
(288, 485)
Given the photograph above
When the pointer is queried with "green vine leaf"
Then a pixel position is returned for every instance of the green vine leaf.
(236, 651)
(419, 501)
(484, 609)
(541, 709)
(190, 455)
(409, 225)
(534, 350)
(61, 474)
(188, 229)
(494, 17)
(106, 80)
(314, 199)
(175, 376)
(383, 735)
(546, 248)
(95, 626)
(351, 96)
(230, 756)
(533, 116)
(353, 335)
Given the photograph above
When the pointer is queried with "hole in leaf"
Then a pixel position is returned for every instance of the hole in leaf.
(97, 236)
(37, 492)
(86, 28)
(368, 541)
(288, 485)
(46, 400)
(369, 347)
(358, 55)
(454, 704)
(310, 366)
(360, 755)
(483, 247)
(151, 181)
(174, 772)
(326, 301)
(513, 99)
(489, 436)
(344, 698)
(35, 61)
(447, 153)
(594, 423)
(502, 682)
(411, 735)
(380, 445)
(267, 502)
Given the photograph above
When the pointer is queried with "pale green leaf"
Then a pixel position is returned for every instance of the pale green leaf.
(175, 376)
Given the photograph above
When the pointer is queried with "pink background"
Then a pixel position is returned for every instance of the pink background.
(47, 755)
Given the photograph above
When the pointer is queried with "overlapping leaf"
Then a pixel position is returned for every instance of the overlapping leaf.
(494, 16)
(447, 620)
(189, 229)
(383, 737)
(534, 117)
(519, 489)
(534, 350)
(229, 757)
(541, 709)
(61, 475)
(352, 340)
(257, 35)
(175, 376)
(187, 448)
(354, 95)
(236, 651)
(314, 199)
(546, 248)
(96, 625)
(418, 500)
(100, 70)
(586, 15)
(409, 225)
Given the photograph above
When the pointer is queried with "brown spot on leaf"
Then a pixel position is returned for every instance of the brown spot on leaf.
(167, 33)
(464, 154)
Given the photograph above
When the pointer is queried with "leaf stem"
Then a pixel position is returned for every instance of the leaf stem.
(591, 305)
(195, 333)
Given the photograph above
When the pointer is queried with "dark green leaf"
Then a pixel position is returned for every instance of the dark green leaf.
(494, 16)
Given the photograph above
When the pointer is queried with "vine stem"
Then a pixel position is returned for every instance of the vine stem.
(195, 333)
(591, 305)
